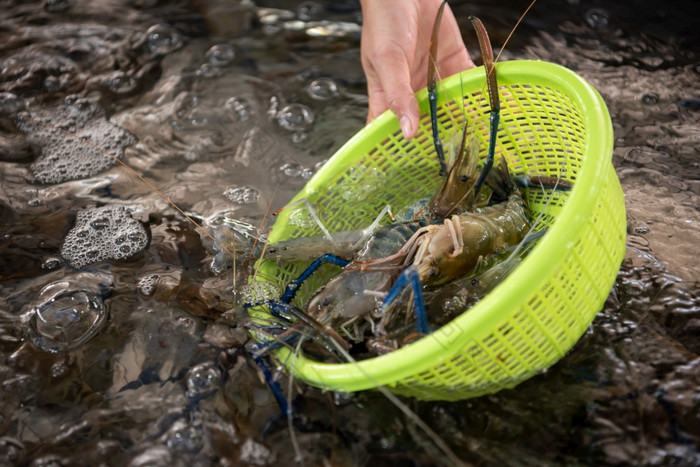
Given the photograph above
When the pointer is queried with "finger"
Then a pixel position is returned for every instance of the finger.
(377, 98)
(394, 90)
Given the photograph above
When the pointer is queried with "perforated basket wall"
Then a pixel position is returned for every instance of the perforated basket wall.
(552, 123)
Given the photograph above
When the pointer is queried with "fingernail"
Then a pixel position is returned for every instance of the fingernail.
(406, 127)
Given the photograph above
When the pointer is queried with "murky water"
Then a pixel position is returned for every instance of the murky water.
(116, 343)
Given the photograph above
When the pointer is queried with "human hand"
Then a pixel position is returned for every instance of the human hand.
(395, 51)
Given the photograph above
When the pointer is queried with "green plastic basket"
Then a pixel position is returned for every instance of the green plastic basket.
(552, 123)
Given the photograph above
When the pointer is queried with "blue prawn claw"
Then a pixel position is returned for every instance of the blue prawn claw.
(409, 276)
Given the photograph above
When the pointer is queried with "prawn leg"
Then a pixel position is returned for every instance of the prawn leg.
(272, 383)
(292, 288)
(494, 100)
(432, 90)
(537, 181)
(409, 276)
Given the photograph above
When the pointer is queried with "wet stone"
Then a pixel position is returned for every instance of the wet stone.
(75, 141)
(106, 233)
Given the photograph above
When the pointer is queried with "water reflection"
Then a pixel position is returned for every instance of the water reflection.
(141, 361)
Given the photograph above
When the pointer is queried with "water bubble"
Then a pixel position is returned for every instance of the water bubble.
(187, 440)
(53, 83)
(597, 18)
(10, 104)
(51, 263)
(203, 381)
(302, 219)
(161, 40)
(221, 54)
(295, 117)
(103, 233)
(100, 223)
(147, 284)
(136, 237)
(309, 11)
(67, 157)
(65, 315)
(298, 137)
(238, 108)
(198, 118)
(56, 6)
(292, 169)
(119, 82)
(59, 369)
(242, 194)
(259, 291)
(650, 98)
(207, 70)
(323, 89)
(187, 102)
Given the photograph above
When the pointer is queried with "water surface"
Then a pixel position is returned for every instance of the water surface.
(118, 343)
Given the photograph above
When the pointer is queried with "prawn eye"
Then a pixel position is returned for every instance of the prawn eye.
(325, 302)
(463, 178)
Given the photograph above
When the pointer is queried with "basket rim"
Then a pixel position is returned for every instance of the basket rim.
(492, 310)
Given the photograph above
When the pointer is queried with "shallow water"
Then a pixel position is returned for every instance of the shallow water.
(132, 359)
